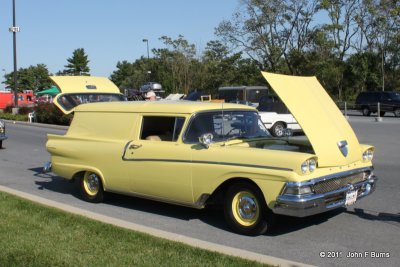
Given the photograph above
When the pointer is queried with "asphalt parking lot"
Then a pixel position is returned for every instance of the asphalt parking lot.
(365, 234)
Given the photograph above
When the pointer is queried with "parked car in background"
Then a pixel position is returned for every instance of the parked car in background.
(274, 114)
(3, 135)
(199, 153)
(367, 102)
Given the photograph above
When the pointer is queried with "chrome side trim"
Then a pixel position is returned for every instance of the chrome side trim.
(200, 161)
(210, 162)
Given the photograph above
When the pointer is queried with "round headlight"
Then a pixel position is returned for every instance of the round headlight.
(312, 165)
(370, 154)
(304, 167)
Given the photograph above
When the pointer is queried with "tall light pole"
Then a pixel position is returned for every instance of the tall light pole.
(147, 42)
(148, 58)
(14, 29)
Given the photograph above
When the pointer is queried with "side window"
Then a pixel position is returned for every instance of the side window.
(160, 128)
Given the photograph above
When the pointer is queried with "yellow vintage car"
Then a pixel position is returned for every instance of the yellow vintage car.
(196, 153)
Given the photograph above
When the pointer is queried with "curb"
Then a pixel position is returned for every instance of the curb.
(36, 124)
(156, 232)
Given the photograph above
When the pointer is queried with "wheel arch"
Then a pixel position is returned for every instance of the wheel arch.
(282, 122)
(218, 194)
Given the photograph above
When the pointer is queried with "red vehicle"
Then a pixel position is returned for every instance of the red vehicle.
(25, 98)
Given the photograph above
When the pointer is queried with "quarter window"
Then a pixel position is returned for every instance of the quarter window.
(160, 128)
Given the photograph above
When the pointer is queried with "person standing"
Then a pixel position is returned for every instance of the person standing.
(151, 96)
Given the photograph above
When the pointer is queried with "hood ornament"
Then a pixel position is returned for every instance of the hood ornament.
(342, 145)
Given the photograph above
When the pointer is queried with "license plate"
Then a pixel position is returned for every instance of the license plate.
(351, 197)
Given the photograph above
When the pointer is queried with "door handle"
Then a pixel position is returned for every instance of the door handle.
(133, 146)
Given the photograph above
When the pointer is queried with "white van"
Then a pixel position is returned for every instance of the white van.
(274, 114)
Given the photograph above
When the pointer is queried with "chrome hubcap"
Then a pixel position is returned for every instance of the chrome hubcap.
(93, 182)
(279, 130)
(247, 207)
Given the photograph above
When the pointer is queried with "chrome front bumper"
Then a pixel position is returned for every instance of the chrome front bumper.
(306, 205)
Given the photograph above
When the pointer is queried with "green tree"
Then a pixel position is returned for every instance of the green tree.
(77, 64)
(123, 76)
(34, 78)
(266, 31)
(222, 68)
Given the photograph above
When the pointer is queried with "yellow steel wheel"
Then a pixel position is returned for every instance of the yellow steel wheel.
(91, 183)
(91, 187)
(245, 208)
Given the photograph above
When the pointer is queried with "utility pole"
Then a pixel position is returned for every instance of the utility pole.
(147, 42)
(14, 29)
(148, 58)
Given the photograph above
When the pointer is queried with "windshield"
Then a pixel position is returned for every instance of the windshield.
(226, 125)
(69, 101)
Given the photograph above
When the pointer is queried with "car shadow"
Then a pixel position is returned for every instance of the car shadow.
(53, 182)
(60, 185)
(211, 215)
(287, 224)
(159, 208)
(376, 216)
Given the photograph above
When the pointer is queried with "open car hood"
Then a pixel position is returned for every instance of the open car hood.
(330, 134)
(76, 90)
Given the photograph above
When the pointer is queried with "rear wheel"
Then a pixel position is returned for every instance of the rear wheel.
(91, 187)
(397, 112)
(366, 111)
(245, 209)
(278, 129)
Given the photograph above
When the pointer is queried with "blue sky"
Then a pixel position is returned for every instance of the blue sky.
(108, 30)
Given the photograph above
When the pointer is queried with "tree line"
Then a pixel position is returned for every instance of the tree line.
(350, 45)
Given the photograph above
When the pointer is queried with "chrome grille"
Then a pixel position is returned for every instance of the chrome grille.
(339, 182)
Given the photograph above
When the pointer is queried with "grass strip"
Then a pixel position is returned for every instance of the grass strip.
(35, 235)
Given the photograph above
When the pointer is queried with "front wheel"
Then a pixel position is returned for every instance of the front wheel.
(245, 209)
(366, 111)
(397, 112)
(91, 187)
(278, 129)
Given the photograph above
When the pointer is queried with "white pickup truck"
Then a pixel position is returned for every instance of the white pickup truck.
(274, 114)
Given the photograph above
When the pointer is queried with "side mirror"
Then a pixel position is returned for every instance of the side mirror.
(206, 139)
